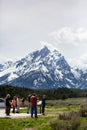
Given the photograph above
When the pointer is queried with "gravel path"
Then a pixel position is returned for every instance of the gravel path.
(14, 115)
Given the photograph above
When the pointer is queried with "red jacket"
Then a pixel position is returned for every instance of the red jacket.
(33, 101)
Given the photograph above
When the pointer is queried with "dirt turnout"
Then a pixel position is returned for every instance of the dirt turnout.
(14, 115)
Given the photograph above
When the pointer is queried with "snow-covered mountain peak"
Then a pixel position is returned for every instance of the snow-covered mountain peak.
(5, 65)
(43, 68)
(48, 48)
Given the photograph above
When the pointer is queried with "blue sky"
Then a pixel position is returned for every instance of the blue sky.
(25, 25)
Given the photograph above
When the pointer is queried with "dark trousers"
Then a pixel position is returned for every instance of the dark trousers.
(13, 109)
(28, 108)
(33, 111)
(7, 110)
(43, 109)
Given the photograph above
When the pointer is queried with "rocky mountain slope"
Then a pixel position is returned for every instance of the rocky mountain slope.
(42, 69)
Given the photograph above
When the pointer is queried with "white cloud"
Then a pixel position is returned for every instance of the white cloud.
(5, 59)
(68, 35)
(81, 62)
(72, 42)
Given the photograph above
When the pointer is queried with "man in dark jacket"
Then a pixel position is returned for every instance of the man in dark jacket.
(8, 104)
(43, 104)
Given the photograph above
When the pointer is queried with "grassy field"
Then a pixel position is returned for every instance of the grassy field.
(53, 109)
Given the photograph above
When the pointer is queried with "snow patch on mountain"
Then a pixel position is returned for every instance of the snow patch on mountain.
(77, 74)
(58, 74)
(12, 76)
(8, 71)
(43, 68)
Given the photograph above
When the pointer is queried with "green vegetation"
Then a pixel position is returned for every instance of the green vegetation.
(52, 94)
(66, 109)
(23, 124)
(69, 121)
(59, 115)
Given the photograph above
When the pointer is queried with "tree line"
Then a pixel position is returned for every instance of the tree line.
(59, 93)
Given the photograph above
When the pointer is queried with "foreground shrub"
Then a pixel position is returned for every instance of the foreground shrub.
(75, 120)
(83, 110)
(60, 125)
(66, 121)
(83, 126)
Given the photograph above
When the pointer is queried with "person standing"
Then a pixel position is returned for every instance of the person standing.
(28, 108)
(18, 104)
(14, 103)
(23, 100)
(7, 104)
(43, 104)
(33, 102)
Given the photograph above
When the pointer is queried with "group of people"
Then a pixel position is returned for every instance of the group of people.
(14, 104)
(32, 104)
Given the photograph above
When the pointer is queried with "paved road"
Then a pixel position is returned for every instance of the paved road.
(14, 115)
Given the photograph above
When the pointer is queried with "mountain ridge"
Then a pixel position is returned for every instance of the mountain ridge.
(42, 69)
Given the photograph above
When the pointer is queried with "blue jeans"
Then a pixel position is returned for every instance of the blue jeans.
(33, 111)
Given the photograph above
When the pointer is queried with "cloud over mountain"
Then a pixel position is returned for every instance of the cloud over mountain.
(68, 35)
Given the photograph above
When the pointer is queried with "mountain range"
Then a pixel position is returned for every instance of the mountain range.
(42, 69)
